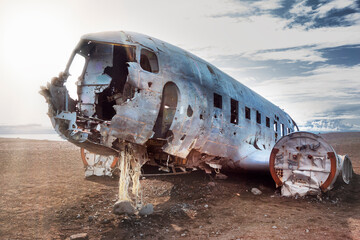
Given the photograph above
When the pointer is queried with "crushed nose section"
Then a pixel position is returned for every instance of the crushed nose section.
(100, 84)
(302, 163)
(62, 109)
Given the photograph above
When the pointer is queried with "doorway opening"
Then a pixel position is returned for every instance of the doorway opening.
(169, 102)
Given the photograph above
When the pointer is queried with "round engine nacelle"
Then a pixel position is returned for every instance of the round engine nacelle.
(304, 163)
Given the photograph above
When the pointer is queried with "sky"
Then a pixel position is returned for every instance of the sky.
(302, 55)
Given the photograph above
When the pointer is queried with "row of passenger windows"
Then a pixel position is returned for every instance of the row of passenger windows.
(234, 114)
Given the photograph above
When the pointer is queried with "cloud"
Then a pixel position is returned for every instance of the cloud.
(267, 4)
(312, 14)
(273, 46)
(299, 54)
(301, 13)
(329, 125)
(327, 92)
(325, 9)
(301, 9)
(248, 8)
(285, 63)
(270, 36)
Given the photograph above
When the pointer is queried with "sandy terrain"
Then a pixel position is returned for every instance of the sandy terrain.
(43, 195)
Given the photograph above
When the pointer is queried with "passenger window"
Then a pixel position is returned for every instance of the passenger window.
(268, 122)
(149, 61)
(275, 126)
(288, 130)
(234, 111)
(282, 129)
(247, 113)
(217, 101)
(258, 117)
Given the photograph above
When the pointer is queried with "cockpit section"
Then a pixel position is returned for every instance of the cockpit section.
(106, 94)
(102, 83)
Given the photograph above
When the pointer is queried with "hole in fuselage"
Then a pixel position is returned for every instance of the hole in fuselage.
(189, 111)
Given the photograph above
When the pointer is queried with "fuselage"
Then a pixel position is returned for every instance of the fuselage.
(141, 90)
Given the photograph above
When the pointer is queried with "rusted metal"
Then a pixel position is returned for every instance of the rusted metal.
(333, 171)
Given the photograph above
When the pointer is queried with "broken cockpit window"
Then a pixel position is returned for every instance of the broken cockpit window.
(149, 61)
(75, 71)
(102, 83)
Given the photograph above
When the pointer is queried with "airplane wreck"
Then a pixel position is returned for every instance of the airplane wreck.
(172, 109)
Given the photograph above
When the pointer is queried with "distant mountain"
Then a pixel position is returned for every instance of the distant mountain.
(331, 125)
(26, 129)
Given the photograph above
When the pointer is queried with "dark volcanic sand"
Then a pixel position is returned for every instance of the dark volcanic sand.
(43, 195)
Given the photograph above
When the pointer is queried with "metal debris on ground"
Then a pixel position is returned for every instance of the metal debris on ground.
(79, 236)
(256, 191)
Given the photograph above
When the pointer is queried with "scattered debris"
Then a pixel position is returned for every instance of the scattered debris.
(98, 165)
(256, 191)
(79, 236)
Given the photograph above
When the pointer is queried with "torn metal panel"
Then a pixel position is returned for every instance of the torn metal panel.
(98, 165)
(129, 125)
(303, 163)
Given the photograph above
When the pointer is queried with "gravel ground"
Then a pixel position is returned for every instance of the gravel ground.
(44, 195)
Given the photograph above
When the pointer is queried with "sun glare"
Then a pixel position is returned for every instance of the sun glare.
(76, 69)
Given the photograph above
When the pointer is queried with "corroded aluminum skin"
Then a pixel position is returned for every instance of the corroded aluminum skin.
(211, 137)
